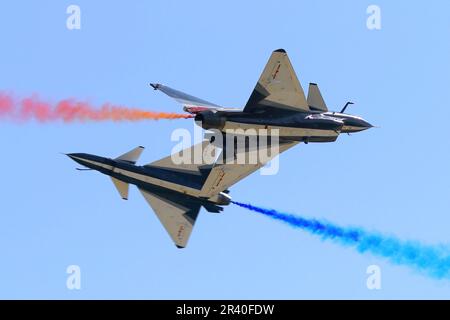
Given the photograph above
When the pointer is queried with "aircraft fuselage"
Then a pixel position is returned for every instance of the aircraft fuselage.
(160, 181)
(291, 125)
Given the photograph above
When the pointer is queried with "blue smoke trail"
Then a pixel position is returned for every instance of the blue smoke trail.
(433, 261)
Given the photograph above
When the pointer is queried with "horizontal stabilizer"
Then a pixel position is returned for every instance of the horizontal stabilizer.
(122, 187)
(131, 156)
(184, 98)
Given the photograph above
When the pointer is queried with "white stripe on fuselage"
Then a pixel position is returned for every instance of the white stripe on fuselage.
(283, 131)
(342, 115)
(96, 163)
(144, 178)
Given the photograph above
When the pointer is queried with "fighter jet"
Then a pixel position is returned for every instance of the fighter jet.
(277, 102)
(177, 191)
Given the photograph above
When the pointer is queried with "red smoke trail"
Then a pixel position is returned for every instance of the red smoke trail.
(71, 110)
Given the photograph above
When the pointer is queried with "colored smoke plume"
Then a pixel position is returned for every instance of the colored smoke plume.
(430, 260)
(72, 110)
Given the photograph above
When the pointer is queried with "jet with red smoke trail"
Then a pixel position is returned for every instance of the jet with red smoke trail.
(277, 102)
(23, 109)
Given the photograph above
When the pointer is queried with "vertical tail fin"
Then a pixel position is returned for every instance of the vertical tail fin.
(131, 156)
(315, 99)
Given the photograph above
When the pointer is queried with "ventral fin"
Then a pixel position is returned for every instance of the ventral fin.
(122, 187)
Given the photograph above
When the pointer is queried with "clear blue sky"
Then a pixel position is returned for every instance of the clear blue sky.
(394, 179)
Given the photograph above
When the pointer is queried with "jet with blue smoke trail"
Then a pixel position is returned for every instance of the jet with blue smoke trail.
(175, 191)
(433, 261)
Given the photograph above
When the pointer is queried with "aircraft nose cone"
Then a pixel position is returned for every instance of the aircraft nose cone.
(366, 125)
(355, 125)
(73, 156)
(77, 157)
(90, 161)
